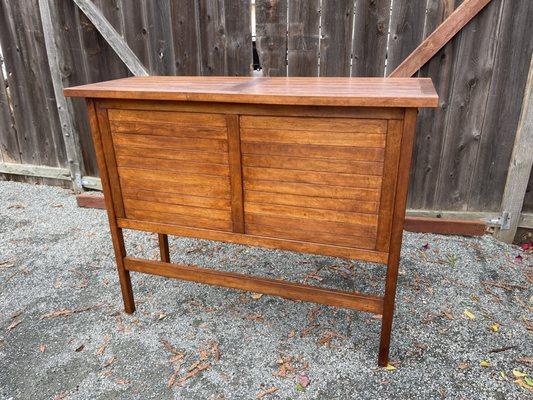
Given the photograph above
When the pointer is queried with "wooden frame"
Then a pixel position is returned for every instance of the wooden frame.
(119, 125)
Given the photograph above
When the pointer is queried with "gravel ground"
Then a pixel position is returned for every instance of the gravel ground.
(63, 334)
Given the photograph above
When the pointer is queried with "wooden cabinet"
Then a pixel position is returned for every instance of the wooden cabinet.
(306, 164)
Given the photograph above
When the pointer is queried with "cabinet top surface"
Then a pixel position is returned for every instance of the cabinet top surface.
(372, 92)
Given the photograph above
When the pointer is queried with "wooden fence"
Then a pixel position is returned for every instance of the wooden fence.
(463, 148)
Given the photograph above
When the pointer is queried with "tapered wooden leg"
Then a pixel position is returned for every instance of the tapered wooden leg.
(123, 274)
(388, 310)
(163, 247)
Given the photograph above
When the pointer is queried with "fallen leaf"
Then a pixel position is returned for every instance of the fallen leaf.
(495, 327)
(257, 296)
(503, 375)
(174, 375)
(518, 374)
(192, 373)
(6, 264)
(390, 367)
(42, 348)
(518, 258)
(122, 381)
(484, 364)
(425, 246)
(448, 314)
(299, 387)
(469, 314)
(14, 324)
(17, 206)
(79, 348)
(304, 380)
(528, 380)
(292, 333)
(108, 362)
(463, 366)
(263, 393)
(161, 316)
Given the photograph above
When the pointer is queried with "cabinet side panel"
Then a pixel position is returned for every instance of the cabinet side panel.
(388, 188)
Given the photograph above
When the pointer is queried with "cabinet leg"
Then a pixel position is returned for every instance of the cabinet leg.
(163, 247)
(123, 274)
(388, 310)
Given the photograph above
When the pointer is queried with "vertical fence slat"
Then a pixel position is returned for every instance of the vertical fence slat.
(472, 72)
(136, 30)
(406, 30)
(370, 37)
(212, 43)
(431, 121)
(336, 37)
(185, 32)
(69, 135)
(159, 32)
(238, 37)
(271, 36)
(503, 108)
(9, 148)
(303, 40)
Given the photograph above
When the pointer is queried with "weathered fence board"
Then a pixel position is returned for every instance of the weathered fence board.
(185, 31)
(303, 40)
(462, 149)
(271, 36)
(336, 37)
(431, 122)
(502, 112)
(473, 66)
(371, 26)
(406, 31)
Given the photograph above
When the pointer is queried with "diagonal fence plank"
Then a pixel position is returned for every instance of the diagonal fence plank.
(112, 37)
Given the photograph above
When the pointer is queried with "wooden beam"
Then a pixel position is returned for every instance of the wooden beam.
(520, 165)
(442, 35)
(70, 136)
(445, 226)
(38, 171)
(90, 200)
(115, 40)
(288, 290)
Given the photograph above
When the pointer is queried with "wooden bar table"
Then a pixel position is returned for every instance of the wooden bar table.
(315, 165)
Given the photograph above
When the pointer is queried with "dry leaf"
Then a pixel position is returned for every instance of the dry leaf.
(463, 366)
(192, 373)
(174, 375)
(484, 364)
(495, 327)
(292, 333)
(108, 362)
(390, 367)
(14, 324)
(80, 348)
(518, 374)
(161, 316)
(122, 381)
(448, 314)
(263, 393)
(257, 296)
(304, 381)
(468, 314)
(101, 349)
(42, 348)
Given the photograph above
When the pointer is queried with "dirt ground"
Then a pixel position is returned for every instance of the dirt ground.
(462, 329)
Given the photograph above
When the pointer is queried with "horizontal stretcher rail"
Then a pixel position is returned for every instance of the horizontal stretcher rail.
(289, 290)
